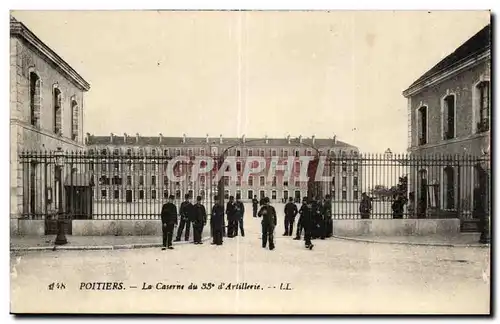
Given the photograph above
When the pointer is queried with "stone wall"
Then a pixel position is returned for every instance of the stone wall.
(396, 227)
(23, 60)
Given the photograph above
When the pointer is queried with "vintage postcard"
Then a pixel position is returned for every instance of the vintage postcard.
(250, 162)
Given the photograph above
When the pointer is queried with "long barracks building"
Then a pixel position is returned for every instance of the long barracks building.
(144, 177)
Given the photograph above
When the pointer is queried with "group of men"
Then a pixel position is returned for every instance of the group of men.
(190, 214)
(315, 219)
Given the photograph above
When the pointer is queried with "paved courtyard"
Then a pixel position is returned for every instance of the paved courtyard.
(337, 276)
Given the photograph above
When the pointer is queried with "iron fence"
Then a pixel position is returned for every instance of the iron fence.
(121, 187)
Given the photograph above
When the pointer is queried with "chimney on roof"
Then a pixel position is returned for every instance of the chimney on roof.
(161, 137)
(334, 139)
(243, 138)
(220, 139)
(267, 141)
(111, 138)
(300, 138)
(125, 138)
(288, 138)
(313, 139)
(207, 139)
(184, 138)
(137, 137)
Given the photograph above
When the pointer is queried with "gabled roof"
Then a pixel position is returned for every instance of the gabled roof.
(474, 46)
(202, 141)
(18, 29)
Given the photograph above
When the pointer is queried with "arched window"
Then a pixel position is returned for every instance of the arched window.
(57, 102)
(74, 120)
(35, 99)
(482, 107)
(448, 117)
(422, 125)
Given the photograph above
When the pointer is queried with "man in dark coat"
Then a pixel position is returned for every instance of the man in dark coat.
(231, 218)
(290, 213)
(307, 218)
(397, 206)
(169, 221)
(317, 218)
(327, 216)
(239, 212)
(269, 221)
(365, 206)
(199, 220)
(186, 212)
(255, 205)
(300, 227)
(217, 222)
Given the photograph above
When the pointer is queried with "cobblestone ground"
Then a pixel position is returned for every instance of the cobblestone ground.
(337, 276)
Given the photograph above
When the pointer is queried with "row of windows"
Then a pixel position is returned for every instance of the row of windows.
(116, 180)
(35, 98)
(140, 166)
(480, 113)
(131, 195)
(234, 152)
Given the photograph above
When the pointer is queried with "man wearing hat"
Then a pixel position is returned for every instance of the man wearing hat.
(217, 222)
(199, 220)
(269, 222)
(232, 223)
(327, 216)
(239, 210)
(317, 218)
(290, 213)
(255, 205)
(307, 219)
(300, 226)
(169, 221)
(186, 212)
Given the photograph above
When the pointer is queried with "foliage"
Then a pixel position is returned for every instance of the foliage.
(383, 192)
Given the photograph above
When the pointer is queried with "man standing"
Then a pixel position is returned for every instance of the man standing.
(398, 206)
(307, 219)
(239, 210)
(169, 221)
(327, 216)
(299, 222)
(230, 212)
(290, 213)
(255, 205)
(269, 222)
(199, 220)
(365, 206)
(317, 219)
(186, 216)
(217, 222)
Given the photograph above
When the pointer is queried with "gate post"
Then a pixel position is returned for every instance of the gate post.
(61, 224)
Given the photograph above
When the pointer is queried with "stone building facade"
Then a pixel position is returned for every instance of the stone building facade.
(149, 181)
(449, 115)
(46, 113)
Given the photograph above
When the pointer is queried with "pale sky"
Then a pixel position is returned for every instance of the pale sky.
(253, 73)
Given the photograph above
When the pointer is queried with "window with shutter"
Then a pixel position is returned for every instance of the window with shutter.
(57, 111)
(35, 99)
(74, 121)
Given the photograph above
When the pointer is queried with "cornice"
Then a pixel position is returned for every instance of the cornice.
(20, 30)
(447, 73)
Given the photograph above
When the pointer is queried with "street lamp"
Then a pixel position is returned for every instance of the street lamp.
(485, 216)
(59, 162)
